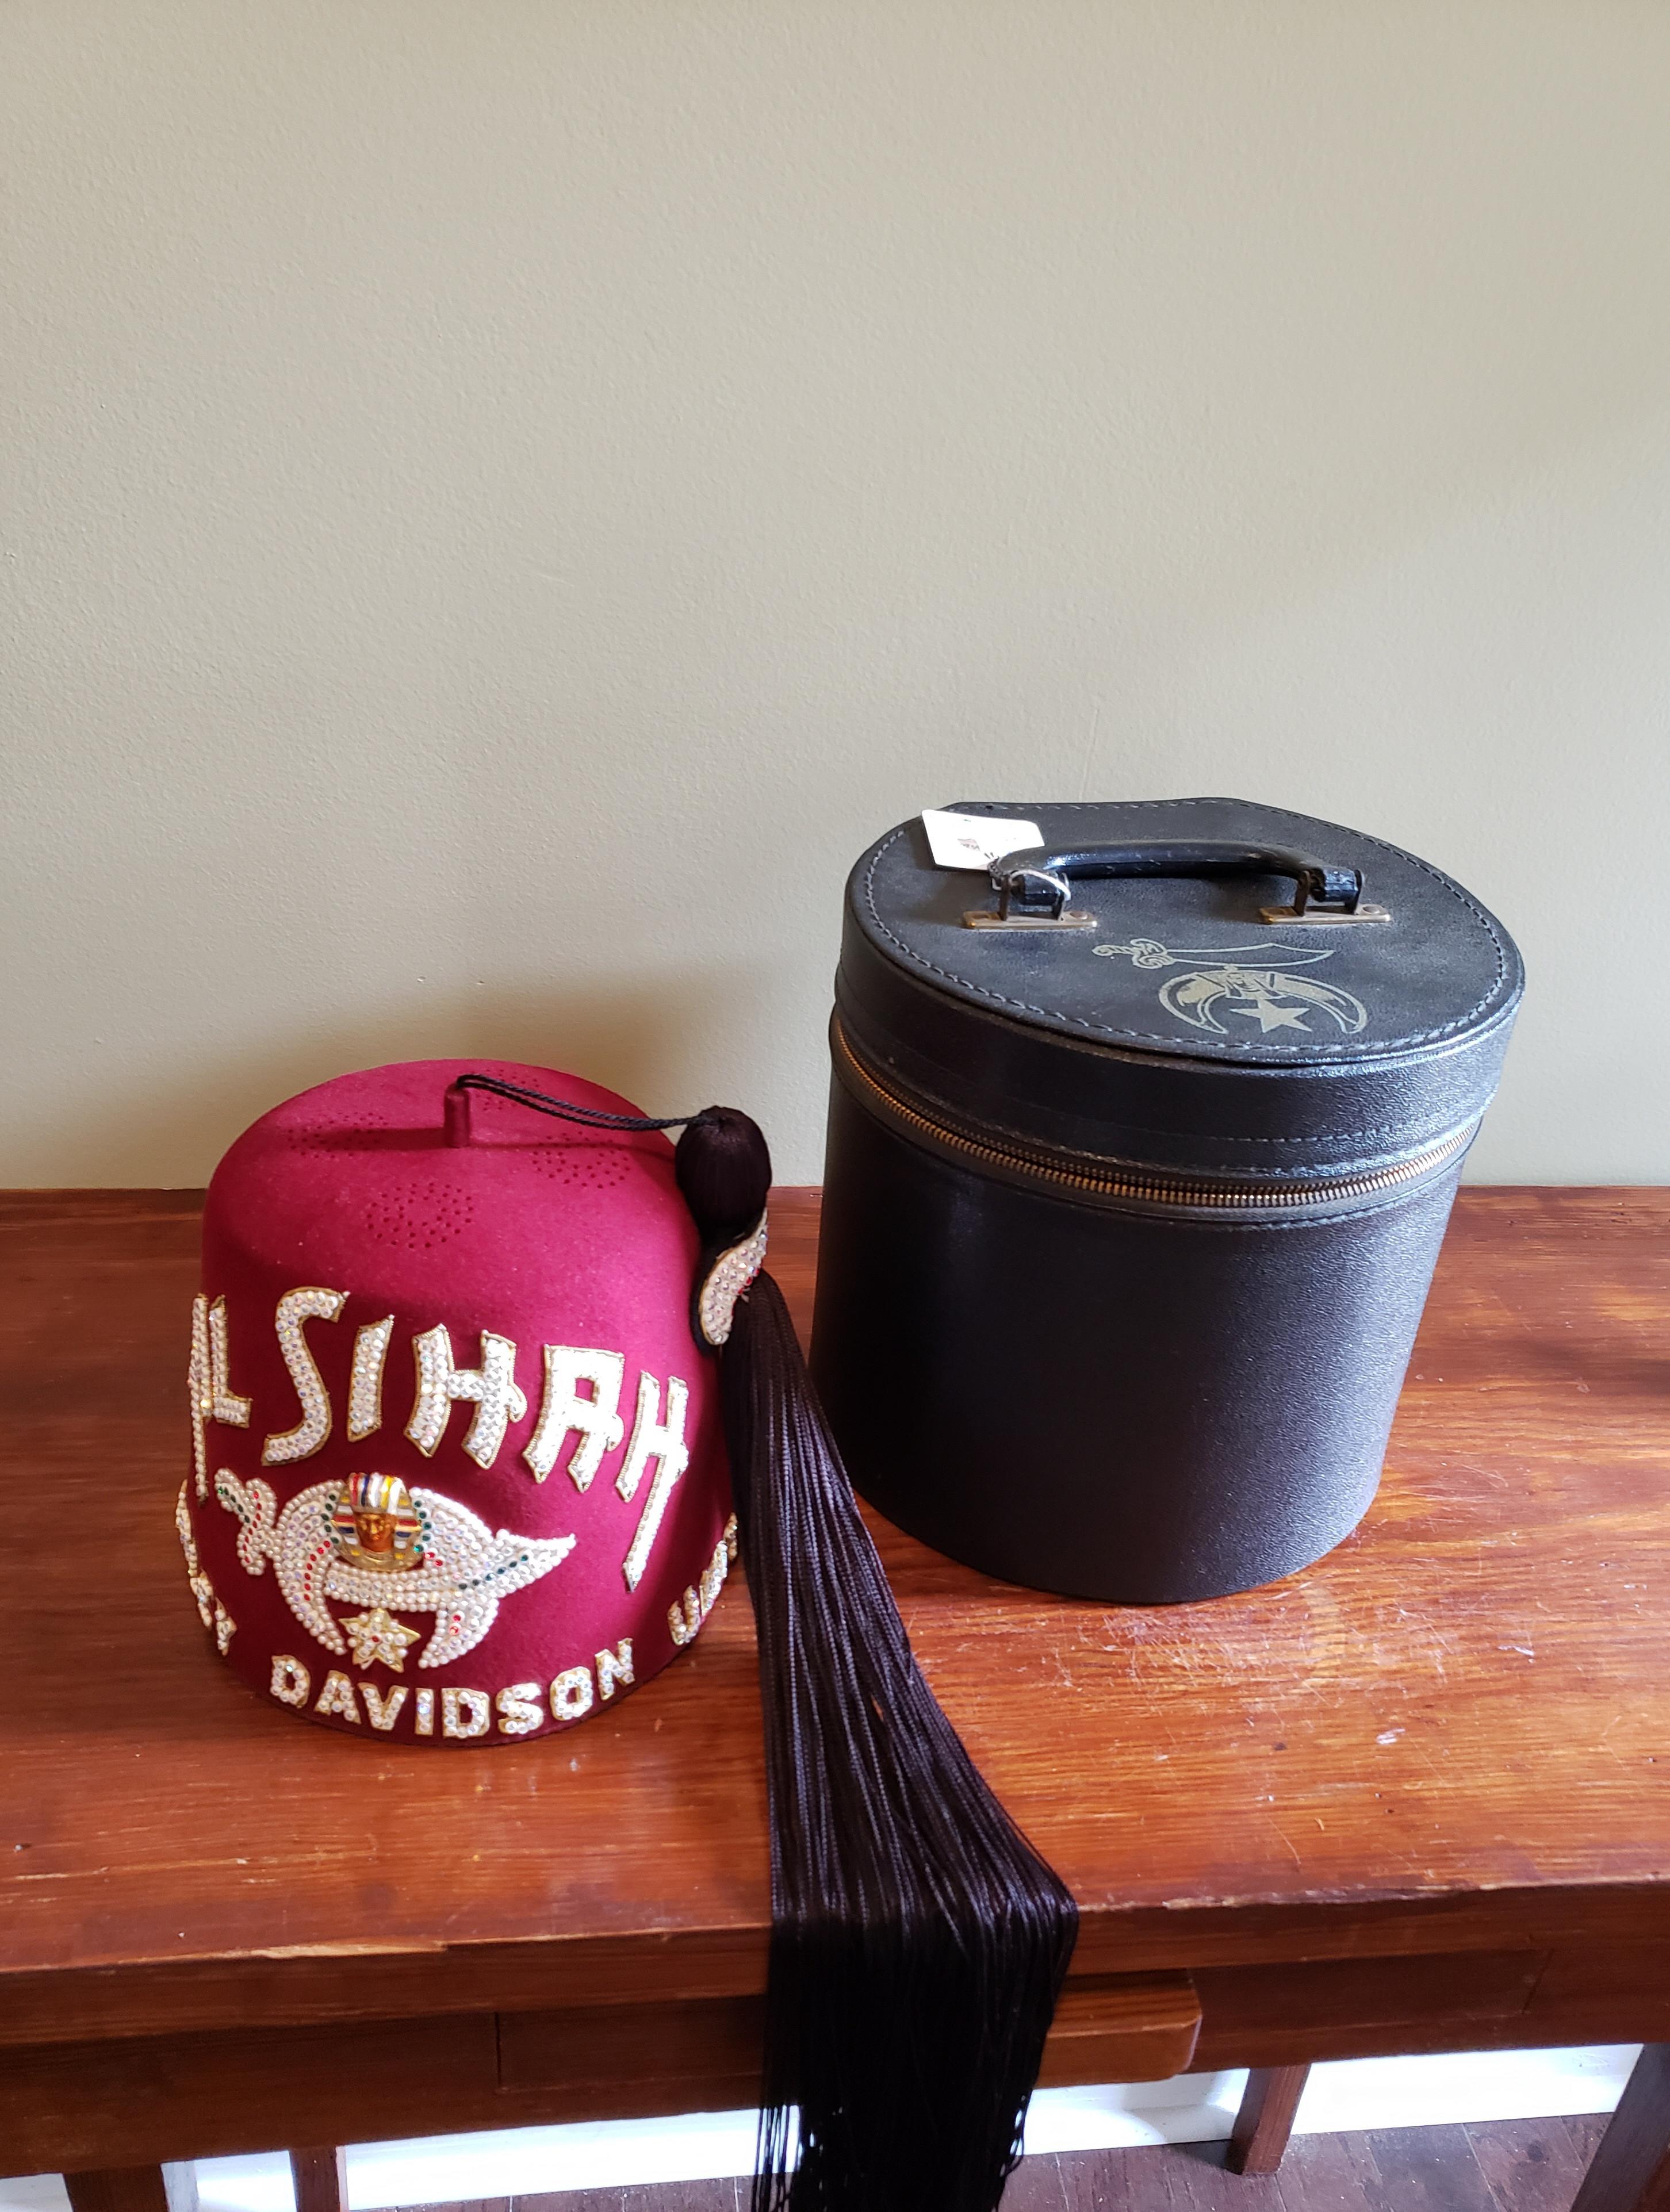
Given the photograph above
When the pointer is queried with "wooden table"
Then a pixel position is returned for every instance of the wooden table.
(1416, 1798)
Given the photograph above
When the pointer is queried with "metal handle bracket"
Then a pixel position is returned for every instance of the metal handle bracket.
(1035, 888)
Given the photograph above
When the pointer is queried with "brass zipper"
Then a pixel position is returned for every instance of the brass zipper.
(1154, 1188)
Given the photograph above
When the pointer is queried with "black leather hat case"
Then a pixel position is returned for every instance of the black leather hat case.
(1140, 1153)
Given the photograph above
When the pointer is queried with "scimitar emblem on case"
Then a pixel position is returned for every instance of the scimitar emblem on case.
(1266, 995)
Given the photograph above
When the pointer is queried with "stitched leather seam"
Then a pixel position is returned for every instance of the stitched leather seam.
(1436, 1126)
(1164, 1036)
(1404, 1129)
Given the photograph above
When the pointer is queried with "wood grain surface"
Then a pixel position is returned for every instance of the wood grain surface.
(1445, 1744)
(318, 2178)
(1269, 2105)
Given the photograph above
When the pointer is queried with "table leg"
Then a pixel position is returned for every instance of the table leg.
(134, 2188)
(1630, 2171)
(1265, 2118)
(320, 2179)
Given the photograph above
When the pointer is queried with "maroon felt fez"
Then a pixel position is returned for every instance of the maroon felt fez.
(460, 1478)
(457, 1471)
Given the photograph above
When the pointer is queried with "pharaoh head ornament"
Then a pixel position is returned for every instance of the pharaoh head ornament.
(374, 1524)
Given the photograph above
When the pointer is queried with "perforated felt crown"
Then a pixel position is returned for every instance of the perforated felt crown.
(457, 1475)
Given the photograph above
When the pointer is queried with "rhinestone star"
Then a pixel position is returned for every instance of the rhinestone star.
(378, 1635)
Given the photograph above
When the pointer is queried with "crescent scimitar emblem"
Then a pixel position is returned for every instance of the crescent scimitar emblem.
(415, 1551)
(1220, 985)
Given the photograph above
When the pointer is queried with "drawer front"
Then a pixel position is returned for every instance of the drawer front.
(1276, 2015)
(702, 2054)
(1111, 2027)
(1121, 2027)
(1600, 1993)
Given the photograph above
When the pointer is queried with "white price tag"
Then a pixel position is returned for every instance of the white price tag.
(974, 840)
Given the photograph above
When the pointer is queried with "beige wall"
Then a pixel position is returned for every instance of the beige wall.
(505, 498)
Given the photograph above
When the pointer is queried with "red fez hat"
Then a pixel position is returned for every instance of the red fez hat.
(457, 1460)
(464, 1386)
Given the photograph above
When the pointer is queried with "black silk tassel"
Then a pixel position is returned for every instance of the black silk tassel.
(918, 1943)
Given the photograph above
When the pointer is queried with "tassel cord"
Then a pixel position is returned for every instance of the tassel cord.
(919, 1943)
(566, 1109)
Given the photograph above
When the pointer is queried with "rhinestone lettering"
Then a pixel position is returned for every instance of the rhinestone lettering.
(338, 1697)
(224, 1402)
(383, 1712)
(207, 1384)
(365, 1383)
(685, 1617)
(519, 1709)
(202, 1589)
(571, 1693)
(492, 1386)
(197, 1392)
(664, 1442)
(614, 1670)
(595, 1419)
(464, 1713)
(295, 1309)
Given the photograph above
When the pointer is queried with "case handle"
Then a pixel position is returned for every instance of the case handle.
(1034, 886)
